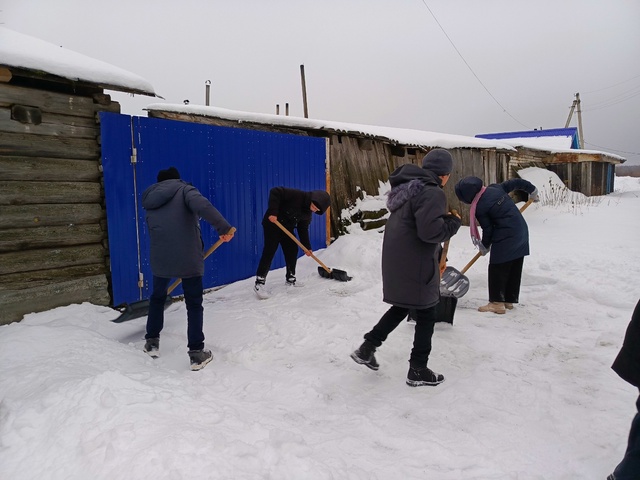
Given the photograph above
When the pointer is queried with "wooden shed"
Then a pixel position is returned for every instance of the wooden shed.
(361, 156)
(585, 171)
(53, 242)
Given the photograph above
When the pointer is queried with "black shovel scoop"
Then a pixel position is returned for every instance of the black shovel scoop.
(323, 270)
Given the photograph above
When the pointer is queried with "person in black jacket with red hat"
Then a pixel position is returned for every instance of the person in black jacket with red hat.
(292, 208)
(627, 365)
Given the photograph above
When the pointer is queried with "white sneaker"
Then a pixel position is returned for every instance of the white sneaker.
(261, 291)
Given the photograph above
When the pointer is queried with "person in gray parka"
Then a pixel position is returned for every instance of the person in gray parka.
(504, 233)
(418, 223)
(173, 211)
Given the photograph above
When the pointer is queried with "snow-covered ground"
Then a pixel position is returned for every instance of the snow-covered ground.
(528, 395)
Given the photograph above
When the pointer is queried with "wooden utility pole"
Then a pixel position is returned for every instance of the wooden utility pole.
(576, 106)
(304, 92)
(573, 107)
(579, 121)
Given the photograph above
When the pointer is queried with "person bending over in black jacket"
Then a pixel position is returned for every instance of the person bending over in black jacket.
(293, 209)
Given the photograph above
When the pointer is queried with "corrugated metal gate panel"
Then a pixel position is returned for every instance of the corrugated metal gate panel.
(234, 168)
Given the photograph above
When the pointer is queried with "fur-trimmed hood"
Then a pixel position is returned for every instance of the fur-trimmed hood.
(406, 182)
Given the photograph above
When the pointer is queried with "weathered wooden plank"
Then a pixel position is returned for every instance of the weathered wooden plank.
(31, 145)
(52, 169)
(44, 259)
(17, 303)
(13, 192)
(51, 125)
(38, 278)
(25, 216)
(16, 239)
(52, 102)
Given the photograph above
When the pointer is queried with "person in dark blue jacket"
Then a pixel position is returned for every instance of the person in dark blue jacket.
(504, 233)
(627, 365)
(173, 211)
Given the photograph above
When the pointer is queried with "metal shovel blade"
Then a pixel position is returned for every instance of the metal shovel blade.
(335, 274)
(453, 283)
(446, 309)
(135, 310)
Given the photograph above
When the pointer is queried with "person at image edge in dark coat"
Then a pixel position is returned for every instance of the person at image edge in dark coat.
(292, 208)
(627, 365)
(504, 233)
(173, 211)
(417, 225)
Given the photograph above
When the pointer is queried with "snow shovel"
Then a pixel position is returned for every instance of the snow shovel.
(454, 282)
(141, 308)
(446, 307)
(323, 270)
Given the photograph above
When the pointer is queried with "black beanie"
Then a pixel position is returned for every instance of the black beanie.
(170, 173)
(439, 161)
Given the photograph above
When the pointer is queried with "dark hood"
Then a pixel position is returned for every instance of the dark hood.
(160, 194)
(407, 181)
(467, 189)
(320, 199)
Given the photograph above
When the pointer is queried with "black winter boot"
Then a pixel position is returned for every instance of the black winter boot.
(419, 377)
(152, 347)
(199, 358)
(365, 355)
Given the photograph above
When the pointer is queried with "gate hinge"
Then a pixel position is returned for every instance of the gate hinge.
(134, 156)
(140, 280)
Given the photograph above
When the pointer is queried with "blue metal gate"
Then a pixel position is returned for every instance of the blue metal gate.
(234, 168)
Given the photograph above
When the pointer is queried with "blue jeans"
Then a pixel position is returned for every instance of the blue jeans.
(192, 288)
(629, 467)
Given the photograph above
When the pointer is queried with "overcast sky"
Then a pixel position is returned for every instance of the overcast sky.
(453, 66)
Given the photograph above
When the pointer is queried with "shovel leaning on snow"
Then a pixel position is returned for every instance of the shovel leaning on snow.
(454, 282)
(141, 308)
(323, 270)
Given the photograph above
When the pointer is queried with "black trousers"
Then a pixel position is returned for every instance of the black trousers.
(425, 320)
(274, 237)
(504, 281)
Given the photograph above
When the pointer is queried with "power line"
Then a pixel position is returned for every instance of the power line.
(612, 149)
(614, 85)
(621, 97)
(471, 69)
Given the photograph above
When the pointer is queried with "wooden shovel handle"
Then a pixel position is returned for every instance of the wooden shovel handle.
(304, 249)
(478, 255)
(443, 255)
(211, 249)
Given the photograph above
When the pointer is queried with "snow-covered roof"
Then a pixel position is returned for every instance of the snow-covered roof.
(23, 51)
(406, 137)
(562, 138)
(400, 136)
